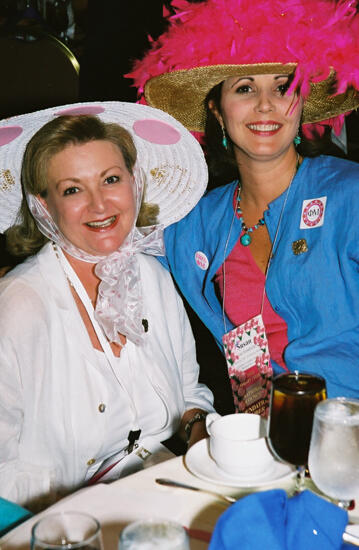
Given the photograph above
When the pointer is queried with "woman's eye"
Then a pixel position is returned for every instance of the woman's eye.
(244, 89)
(71, 190)
(283, 88)
(112, 179)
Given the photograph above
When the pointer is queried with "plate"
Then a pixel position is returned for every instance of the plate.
(353, 529)
(201, 464)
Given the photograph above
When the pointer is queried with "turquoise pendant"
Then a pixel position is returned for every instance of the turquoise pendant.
(245, 239)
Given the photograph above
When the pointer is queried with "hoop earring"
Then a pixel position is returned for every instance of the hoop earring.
(224, 138)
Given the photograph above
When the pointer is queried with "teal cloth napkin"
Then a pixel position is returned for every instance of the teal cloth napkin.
(272, 520)
(11, 515)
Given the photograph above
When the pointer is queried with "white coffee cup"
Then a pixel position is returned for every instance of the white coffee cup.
(238, 444)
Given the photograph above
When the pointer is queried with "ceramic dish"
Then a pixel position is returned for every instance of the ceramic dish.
(201, 464)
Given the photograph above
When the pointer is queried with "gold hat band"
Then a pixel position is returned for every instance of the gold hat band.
(182, 93)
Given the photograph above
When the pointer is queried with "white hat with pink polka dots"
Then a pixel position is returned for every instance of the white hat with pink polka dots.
(170, 157)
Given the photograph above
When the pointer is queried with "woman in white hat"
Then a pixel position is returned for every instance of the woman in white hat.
(97, 356)
(270, 261)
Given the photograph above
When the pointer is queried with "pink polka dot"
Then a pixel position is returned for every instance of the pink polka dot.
(83, 110)
(156, 131)
(9, 133)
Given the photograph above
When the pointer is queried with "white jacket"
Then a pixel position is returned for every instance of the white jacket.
(52, 381)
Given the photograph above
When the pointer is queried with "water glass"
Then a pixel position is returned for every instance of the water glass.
(154, 534)
(66, 530)
(334, 449)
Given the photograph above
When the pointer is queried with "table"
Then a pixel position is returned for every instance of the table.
(139, 496)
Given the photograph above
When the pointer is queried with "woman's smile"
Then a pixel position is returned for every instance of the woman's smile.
(264, 128)
(103, 225)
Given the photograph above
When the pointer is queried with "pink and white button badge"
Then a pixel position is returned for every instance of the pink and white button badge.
(313, 211)
(201, 260)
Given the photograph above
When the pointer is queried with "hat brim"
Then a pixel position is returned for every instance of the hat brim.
(182, 93)
(171, 158)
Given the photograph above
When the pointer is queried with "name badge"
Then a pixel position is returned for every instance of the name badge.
(249, 368)
(313, 211)
(201, 260)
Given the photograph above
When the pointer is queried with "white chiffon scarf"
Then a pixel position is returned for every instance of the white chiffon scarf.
(119, 304)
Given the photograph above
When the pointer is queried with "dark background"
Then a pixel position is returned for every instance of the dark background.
(116, 35)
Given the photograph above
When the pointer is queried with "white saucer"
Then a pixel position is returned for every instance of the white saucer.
(201, 464)
(353, 529)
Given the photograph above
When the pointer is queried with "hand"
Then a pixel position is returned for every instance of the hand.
(198, 432)
(198, 428)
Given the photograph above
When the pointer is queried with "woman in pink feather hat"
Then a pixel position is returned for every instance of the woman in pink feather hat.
(269, 261)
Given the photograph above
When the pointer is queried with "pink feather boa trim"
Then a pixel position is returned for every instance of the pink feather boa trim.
(314, 34)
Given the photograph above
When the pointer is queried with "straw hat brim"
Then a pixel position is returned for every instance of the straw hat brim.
(182, 93)
(171, 158)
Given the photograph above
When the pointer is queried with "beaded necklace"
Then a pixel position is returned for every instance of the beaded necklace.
(246, 239)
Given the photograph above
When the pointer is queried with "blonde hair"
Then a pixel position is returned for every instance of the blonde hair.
(24, 238)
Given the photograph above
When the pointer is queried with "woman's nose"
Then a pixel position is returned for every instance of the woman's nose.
(97, 201)
(265, 103)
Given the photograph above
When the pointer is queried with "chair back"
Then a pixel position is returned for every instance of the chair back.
(38, 71)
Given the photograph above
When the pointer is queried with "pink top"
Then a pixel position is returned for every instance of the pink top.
(243, 299)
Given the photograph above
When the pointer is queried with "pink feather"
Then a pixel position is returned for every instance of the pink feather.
(165, 12)
(317, 35)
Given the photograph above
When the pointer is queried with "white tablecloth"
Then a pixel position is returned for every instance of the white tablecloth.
(139, 496)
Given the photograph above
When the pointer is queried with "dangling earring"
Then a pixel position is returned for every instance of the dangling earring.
(297, 140)
(224, 138)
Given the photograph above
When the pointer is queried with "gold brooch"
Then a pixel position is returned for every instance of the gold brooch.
(6, 180)
(159, 174)
(299, 246)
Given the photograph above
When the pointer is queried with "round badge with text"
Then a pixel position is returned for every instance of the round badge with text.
(201, 260)
(313, 213)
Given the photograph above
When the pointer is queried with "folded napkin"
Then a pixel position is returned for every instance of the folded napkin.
(11, 515)
(270, 520)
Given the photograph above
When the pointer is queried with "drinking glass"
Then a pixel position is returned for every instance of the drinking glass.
(154, 534)
(294, 396)
(334, 449)
(66, 530)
